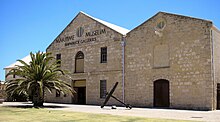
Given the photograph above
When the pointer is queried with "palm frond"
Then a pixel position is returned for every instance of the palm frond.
(42, 73)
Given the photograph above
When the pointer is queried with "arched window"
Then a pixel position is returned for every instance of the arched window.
(79, 62)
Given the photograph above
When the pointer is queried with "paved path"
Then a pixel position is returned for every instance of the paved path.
(209, 116)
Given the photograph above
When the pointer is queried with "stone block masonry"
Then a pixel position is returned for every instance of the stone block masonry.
(171, 61)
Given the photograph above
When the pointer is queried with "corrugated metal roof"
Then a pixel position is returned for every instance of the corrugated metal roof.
(26, 59)
(119, 29)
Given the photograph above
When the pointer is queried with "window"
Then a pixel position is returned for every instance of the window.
(104, 55)
(14, 74)
(57, 93)
(160, 24)
(79, 62)
(58, 58)
(103, 88)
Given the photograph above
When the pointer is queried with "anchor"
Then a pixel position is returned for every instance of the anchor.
(110, 94)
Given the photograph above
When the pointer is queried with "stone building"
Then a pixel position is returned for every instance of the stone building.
(173, 61)
(18, 98)
(26, 59)
(2, 91)
(90, 49)
(170, 61)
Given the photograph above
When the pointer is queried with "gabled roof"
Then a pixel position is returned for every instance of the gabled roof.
(166, 13)
(116, 28)
(26, 59)
(185, 16)
(215, 28)
(119, 29)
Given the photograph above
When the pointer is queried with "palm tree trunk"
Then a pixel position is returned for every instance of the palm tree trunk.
(38, 100)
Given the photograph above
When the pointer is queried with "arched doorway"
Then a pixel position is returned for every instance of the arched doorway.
(79, 62)
(218, 96)
(161, 93)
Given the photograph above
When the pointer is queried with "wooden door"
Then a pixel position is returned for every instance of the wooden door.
(81, 95)
(218, 96)
(161, 93)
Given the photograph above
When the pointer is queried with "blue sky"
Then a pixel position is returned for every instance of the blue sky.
(31, 25)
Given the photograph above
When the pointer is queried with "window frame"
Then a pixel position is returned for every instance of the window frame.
(103, 89)
(14, 76)
(58, 59)
(58, 93)
(104, 55)
(79, 55)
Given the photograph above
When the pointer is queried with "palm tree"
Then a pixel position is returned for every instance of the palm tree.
(40, 75)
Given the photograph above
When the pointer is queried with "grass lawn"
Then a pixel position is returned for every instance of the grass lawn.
(13, 114)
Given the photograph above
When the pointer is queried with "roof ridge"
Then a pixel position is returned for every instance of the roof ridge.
(187, 16)
(173, 14)
(117, 28)
(26, 59)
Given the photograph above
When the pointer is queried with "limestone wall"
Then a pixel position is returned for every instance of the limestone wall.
(216, 50)
(185, 61)
(182, 50)
(216, 60)
(52, 98)
(94, 70)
